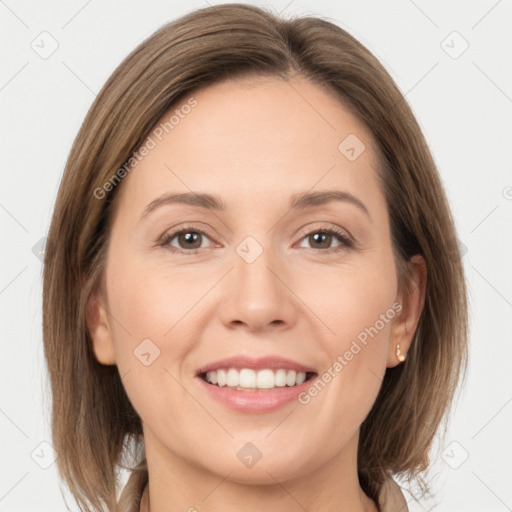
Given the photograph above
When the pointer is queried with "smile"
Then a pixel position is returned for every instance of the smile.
(247, 379)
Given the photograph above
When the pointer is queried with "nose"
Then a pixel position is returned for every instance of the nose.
(257, 295)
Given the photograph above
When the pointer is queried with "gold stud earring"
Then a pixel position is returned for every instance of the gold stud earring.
(399, 355)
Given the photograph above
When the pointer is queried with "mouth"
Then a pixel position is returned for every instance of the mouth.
(249, 379)
(251, 385)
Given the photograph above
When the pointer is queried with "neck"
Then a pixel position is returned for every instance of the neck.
(177, 485)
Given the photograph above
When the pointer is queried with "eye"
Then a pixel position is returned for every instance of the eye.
(188, 238)
(322, 238)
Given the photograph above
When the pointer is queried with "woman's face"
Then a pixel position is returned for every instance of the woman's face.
(188, 284)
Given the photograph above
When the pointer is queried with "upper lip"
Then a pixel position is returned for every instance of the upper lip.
(270, 362)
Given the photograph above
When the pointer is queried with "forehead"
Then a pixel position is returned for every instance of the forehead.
(256, 140)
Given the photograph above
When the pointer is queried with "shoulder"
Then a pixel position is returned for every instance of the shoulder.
(391, 497)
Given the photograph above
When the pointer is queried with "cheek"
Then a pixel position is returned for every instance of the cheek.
(354, 299)
(362, 320)
(151, 313)
(152, 336)
(151, 302)
(358, 305)
(350, 381)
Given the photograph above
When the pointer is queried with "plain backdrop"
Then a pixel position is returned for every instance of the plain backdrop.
(452, 60)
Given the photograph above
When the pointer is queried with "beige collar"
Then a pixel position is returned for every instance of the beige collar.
(391, 498)
(144, 500)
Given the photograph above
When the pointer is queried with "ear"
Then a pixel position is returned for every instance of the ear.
(412, 300)
(99, 328)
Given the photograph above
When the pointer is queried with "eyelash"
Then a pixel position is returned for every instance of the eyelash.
(347, 243)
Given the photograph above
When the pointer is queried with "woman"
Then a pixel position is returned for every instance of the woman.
(192, 322)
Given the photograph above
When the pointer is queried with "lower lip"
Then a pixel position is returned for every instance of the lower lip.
(260, 401)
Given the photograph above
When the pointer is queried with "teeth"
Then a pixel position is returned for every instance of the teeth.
(265, 379)
(246, 378)
(291, 378)
(281, 378)
(252, 379)
(232, 378)
(301, 377)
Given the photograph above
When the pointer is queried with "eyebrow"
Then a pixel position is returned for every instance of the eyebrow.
(299, 201)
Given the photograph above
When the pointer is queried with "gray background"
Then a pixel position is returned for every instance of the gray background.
(463, 101)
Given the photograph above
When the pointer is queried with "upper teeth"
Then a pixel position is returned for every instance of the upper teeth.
(261, 379)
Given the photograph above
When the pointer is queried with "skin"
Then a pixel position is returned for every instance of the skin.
(254, 142)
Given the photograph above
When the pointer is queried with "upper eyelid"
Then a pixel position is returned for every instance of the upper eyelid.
(316, 228)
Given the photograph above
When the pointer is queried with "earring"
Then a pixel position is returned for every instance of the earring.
(399, 355)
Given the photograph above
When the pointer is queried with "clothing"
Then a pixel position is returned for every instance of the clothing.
(144, 500)
(391, 498)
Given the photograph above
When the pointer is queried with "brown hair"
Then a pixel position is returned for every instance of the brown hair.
(94, 425)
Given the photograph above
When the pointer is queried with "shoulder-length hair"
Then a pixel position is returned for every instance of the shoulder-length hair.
(93, 422)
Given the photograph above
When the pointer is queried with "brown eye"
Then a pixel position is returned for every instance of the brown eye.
(188, 241)
(323, 238)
